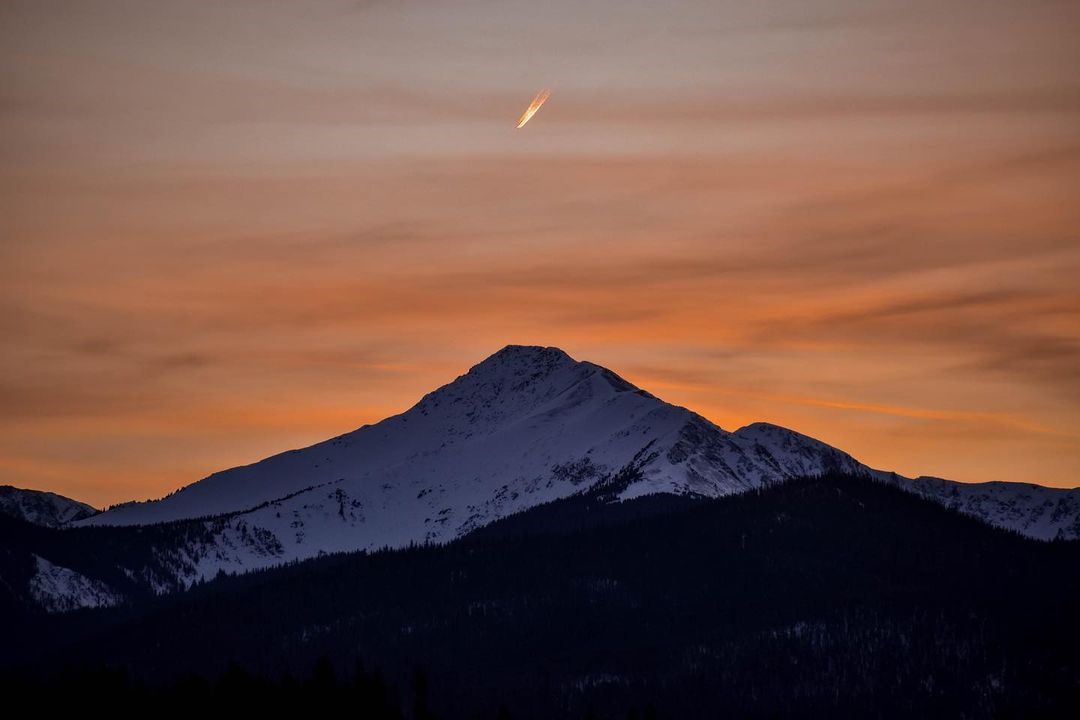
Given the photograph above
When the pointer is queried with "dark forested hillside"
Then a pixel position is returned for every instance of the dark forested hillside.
(130, 561)
(824, 596)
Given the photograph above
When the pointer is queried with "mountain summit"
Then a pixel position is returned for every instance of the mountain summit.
(526, 426)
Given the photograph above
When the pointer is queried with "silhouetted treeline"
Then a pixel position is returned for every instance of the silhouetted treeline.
(118, 693)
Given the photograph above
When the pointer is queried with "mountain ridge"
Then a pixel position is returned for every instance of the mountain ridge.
(515, 394)
(526, 426)
(41, 507)
(483, 385)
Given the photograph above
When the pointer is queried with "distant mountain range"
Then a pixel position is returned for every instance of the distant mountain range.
(527, 426)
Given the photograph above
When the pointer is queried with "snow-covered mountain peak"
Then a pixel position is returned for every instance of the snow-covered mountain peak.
(517, 414)
(518, 384)
(511, 381)
(792, 444)
(526, 426)
(518, 359)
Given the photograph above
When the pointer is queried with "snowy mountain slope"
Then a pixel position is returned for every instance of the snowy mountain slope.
(42, 508)
(1040, 512)
(523, 427)
(60, 589)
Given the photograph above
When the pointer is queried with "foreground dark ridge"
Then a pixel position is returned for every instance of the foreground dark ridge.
(828, 595)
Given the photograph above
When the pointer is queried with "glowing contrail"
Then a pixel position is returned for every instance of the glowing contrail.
(540, 99)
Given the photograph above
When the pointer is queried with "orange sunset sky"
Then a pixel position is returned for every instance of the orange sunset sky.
(232, 228)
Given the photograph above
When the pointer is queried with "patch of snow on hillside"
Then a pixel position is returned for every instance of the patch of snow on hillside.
(59, 589)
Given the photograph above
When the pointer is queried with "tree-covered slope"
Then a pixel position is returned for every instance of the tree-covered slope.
(830, 595)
